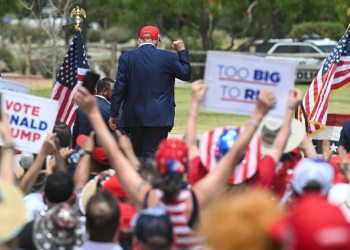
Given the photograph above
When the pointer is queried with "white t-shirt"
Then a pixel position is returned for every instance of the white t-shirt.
(33, 202)
(93, 245)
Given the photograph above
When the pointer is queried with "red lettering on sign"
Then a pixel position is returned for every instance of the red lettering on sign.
(26, 106)
(25, 135)
(8, 105)
(36, 137)
(17, 107)
(35, 111)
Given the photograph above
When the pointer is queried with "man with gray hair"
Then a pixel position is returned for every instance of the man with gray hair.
(145, 81)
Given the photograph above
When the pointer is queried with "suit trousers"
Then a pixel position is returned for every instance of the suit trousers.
(145, 140)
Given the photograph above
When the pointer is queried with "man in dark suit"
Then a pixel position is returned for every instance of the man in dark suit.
(145, 81)
(81, 124)
(344, 139)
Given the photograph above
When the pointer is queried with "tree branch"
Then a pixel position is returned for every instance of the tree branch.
(250, 20)
(188, 22)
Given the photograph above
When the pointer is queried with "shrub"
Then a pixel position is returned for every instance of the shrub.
(117, 35)
(7, 56)
(332, 30)
(94, 36)
(19, 33)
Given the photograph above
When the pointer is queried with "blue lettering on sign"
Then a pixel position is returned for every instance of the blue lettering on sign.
(233, 72)
(231, 92)
(266, 76)
(23, 122)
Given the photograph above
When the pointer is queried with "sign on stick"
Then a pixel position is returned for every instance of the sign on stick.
(235, 82)
(13, 86)
(31, 119)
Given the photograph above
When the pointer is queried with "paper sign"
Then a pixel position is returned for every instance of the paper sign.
(235, 82)
(13, 86)
(31, 119)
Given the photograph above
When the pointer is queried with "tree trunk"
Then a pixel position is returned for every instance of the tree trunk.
(28, 52)
(113, 71)
(54, 64)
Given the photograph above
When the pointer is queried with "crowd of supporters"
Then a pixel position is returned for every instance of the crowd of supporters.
(260, 186)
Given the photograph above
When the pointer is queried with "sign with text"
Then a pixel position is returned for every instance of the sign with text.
(235, 82)
(13, 86)
(31, 118)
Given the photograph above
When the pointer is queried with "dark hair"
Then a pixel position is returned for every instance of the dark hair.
(171, 186)
(148, 171)
(59, 187)
(63, 133)
(102, 225)
(312, 186)
(104, 83)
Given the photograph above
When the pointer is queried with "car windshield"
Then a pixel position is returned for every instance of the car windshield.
(326, 48)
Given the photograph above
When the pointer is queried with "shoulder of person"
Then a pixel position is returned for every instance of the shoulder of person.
(346, 124)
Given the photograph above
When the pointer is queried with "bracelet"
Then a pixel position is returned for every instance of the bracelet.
(253, 124)
(8, 150)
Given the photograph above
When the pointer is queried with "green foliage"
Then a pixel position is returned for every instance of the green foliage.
(20, 32)
(117, 34)
(94, 35)
(7, 56)
(332, 30)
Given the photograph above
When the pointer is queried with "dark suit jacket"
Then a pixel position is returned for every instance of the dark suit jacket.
(344, 139)
(82, 124)
(145, 81)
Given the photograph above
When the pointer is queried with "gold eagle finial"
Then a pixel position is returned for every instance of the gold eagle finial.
(348, 12)
(78, 12)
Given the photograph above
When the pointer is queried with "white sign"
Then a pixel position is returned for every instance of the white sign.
(31, 119)
(235, 82)
(13, 86)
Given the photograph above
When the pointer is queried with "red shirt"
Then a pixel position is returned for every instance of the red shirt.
(197, 170)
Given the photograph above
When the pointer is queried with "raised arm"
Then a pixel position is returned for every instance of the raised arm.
(131, 181)
(182, 69)
(32, 174)
(198, 91)
(6, 164)
(213, 183)
(308, 148)
(82, 172)
(118, 93)
(281, 139)
(126, 146)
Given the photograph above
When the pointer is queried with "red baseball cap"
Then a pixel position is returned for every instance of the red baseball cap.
(313, 224)
(172, 156)
(150, 30)
(113, 185)
(99, 154)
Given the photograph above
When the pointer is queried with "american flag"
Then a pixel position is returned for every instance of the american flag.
(333, 76)
(244, 170)
(71, 75)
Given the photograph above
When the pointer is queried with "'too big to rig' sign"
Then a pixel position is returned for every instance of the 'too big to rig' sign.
(31, 119)
(235, 82)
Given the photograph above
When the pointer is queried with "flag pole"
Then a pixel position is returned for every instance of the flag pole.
(78, 12)
(305, 118)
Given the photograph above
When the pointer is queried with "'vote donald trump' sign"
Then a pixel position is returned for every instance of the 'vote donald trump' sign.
(235, 82)
(31, 118)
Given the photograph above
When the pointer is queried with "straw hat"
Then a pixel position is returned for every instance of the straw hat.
(12, 211)
(269, 128)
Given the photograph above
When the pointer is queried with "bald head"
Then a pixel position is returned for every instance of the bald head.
(102, 217)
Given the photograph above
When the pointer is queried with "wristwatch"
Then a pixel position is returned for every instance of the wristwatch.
(75, 157)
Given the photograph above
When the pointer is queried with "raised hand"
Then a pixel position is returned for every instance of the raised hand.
(49, 145)
(178, 45)
(344, 162)
(5, 129)
(87, 102)
(295, 98)
(89, 142)
(326, 151)
(266, 100)
(198, 91)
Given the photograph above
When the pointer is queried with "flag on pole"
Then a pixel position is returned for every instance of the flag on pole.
(332, 133)
(71, 75)
(333, 76)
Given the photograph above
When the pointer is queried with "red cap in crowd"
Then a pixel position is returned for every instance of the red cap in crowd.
(172, 157)
(99, 154)
(313, 224)
(113, 185)
(150, 30)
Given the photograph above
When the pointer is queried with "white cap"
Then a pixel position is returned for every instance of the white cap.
(308, 170)
(26, 160)
(338, 193)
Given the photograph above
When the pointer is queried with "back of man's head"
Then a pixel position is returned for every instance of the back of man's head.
(102, 217)
(104, 83)
(59, 187)
(63, 134)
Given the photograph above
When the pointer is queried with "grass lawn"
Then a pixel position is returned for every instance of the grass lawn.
(339, 102)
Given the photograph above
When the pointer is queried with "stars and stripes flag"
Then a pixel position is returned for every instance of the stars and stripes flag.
(245, 169)
(71, 75)
(333, 76)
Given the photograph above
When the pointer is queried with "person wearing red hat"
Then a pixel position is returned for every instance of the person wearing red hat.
(145, 81)
(172, 160)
